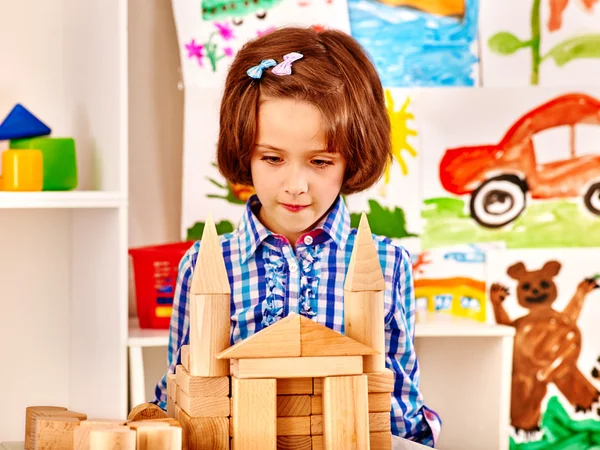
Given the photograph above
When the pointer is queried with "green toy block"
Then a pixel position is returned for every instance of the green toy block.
(59, 160)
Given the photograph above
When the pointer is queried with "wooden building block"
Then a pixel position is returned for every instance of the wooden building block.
(31, 412)
(310, 366)
(209, 334)
(364, 318)
(171, 386)
(210, 274)
(364, 270)
(146, 423)
(145, 411)
(377, 422)
(293, 426)
(254, 414)
(346, 413)
(203, 406)
(318, 340)
(294, 386)
(364, 315)
(282, 339)
(155, 436)
(382, 381)
(294, 443)
(171, 412)
(81, 436)
(378, 402)
(378, 382)
(201, 386)
(55, 432)
(293, 405)
(185, 357)
(102, 438)
(377, 440)
(205, 433)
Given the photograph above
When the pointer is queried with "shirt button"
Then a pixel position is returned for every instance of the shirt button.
(308, 240)
(293, 268)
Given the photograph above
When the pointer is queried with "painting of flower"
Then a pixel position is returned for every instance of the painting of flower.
(586, 45)
(210, 49)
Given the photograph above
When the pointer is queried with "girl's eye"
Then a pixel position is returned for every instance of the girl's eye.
(321, 162)
(271, 159)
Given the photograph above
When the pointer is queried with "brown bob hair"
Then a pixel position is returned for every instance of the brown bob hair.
(335, 75)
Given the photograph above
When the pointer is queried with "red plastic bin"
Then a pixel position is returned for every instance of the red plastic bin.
(155, 275)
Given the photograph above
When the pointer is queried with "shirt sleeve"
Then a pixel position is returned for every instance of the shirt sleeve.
(411, 419)
(180, 322)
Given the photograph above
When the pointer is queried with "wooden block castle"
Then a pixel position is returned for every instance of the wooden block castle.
(293, 385)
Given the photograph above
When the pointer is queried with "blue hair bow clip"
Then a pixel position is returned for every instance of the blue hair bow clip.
(257, 71)
(285, 67)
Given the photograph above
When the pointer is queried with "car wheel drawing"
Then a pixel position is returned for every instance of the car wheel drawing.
(591, 199)
(498, 201)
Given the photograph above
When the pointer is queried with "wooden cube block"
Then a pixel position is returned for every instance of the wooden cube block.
(205, 433)
(293, 405)
(55, 432)
(294, 386)
(294, 443)
(202, 386)
(293, 426)
(31, 412)
(203, 406)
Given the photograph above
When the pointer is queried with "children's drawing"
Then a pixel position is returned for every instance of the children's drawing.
(419, 42)
(532, 182)
(391, 212)
(451, 280)
(553, 305)
(210, 32)
(545, 37)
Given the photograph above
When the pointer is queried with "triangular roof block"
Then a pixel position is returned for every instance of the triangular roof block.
(364, 271)
(210, 274)
(295, 336)
(280, 340)
(319, 340)
(20, 123)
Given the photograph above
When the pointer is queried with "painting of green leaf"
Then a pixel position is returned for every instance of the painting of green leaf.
(384, 221)
(194, 232)
(561, 432)
(557, 223)
(584, 46)
(234, 193)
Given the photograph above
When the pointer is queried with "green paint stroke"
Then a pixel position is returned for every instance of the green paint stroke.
(384, 221)
(542, 225)
(505, 43)
(561, 432)
(577, 48)
(195, 232)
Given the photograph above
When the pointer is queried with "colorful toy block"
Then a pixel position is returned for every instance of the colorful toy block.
(20, 123)
(59, 159)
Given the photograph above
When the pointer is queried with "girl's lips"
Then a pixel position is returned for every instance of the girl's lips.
(293, 208)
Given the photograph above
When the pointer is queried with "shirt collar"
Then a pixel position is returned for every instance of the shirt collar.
(251, 232)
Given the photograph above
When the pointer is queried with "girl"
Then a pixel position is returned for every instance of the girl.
(303, 121)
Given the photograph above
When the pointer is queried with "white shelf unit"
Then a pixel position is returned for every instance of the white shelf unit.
(63, 270)
(466, 369)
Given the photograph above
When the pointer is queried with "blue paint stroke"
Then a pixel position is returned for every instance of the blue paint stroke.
(476, 256)
(415, 48)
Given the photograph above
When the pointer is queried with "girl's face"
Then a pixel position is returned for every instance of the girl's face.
(295, 178)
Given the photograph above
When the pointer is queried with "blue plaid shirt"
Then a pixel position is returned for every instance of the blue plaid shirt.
(269, 279)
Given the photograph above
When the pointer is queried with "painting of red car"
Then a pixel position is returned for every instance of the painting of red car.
(502, 178)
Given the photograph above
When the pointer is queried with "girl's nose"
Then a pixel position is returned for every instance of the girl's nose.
(295, 183)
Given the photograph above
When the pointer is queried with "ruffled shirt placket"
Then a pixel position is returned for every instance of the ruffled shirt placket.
(290, 280)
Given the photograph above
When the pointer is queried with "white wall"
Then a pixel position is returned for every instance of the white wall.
(155, 141)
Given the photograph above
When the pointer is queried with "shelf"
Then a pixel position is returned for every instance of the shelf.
(61, 199)
(139, 337)
(445, 325)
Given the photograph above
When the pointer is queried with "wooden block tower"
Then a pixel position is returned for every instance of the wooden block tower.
(294, 385)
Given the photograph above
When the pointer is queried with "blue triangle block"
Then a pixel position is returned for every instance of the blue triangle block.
(20, 123)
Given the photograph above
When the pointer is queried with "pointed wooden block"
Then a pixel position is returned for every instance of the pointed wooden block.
(210, 274)
(319, 340)
(282, 339)
(364, 271)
